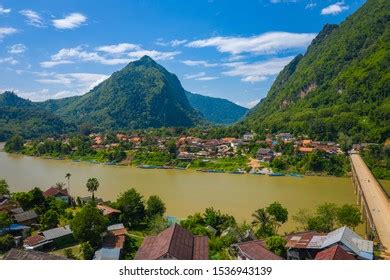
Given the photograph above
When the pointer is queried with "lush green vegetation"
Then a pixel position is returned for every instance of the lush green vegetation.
(340, 85)
(224, 164)
(377, 158)
(216, 110)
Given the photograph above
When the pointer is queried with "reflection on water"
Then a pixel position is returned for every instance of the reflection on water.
(184, 192)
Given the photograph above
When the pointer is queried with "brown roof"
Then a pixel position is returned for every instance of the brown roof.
(54, 191)
(305, 240)
(107, 211)
(114, 241)
(16, 254)
(175, 241)
(334, 253)
(34, 240)
(255, 250)
(25, 216)
(118, 232)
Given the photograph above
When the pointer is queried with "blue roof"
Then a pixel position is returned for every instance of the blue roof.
(13, 227)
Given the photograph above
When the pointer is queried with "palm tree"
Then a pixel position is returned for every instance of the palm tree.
(67, 176)
(263, 222)
(92, 186)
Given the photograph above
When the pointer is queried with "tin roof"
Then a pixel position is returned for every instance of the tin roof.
(115, 227)
(255, 250)
(25, 216)
(335, 252)
(57, 232)
(107, 254)
(16, 254)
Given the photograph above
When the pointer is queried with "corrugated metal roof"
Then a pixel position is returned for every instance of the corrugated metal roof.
(25, 216)
(57, 232)
(115, 227)
(107, 254)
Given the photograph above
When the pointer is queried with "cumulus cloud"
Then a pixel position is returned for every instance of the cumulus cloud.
(267, 43)
(258, 71)
(119, 48)
(17, 49)
(71, 21)
(5, 31)
(33, 18)
(334, 9)
(8, 60)
(198, 63)
(84, 81)
(157, 55)
(4, 11)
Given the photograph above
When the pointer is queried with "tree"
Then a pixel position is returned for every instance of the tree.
(345, 142)
(217, 220)
(4, 188)
(349, 215)
(278, 214)
(67, 177)
(132, 207)
(87, 250)
(23, 199)
(14, 144)
(88, 225)
(301, 218)
(50, 220)
(263, 223)
(276, 244)
(92, 186)
(326, 216)
(155, 206)
(7, 242)
(157, 224)
(5, 220)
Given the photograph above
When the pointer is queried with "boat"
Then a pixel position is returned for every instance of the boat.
(145, 166)
(240, 172)
(210, 171)
(295, 175)
(277, 174)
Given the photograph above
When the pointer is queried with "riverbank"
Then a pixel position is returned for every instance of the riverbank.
(184, 192)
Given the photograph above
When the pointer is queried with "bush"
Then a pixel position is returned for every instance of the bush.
(87, 251)
(7, 242)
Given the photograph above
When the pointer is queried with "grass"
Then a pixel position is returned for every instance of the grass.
(75, 248)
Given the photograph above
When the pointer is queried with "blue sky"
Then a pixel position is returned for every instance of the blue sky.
(229, 49)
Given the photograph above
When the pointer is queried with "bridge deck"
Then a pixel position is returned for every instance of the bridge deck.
(377, 202)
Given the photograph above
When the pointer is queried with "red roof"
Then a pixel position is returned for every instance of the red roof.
(54, 191)
(118, 232)
(176, 242)
(304, 240)
(114, 241)
(335, 252)
(34, 240)
(255, 250)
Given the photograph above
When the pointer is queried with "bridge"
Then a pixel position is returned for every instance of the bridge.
(373, 201)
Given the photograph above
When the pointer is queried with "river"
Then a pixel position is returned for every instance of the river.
(184, 191)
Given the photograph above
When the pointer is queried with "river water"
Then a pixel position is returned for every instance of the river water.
(183, 191)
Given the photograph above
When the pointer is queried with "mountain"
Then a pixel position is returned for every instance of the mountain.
(23, 117)
(216, 110)
(143, 94)
(340, 85)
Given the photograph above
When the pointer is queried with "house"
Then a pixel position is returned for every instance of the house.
(264, 154)
(17, 254)
(305, 150)
(306, 142)
(248, 136)
(174, 243)
(308, 244)
(115, 237)
(52, 237)
(285, 137)
(335, 252)
(254, 250)
(26, 218)
(109, 212)
(57, 192)
(107, 254)
(6, 205)
(16, 230)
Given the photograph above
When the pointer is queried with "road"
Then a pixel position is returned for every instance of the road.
(378, 204)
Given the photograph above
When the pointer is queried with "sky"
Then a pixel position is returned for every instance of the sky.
(228, 49)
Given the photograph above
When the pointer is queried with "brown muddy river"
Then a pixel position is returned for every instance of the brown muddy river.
(183, 191)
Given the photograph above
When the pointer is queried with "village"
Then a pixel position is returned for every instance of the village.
(271, 154)
(89, 228)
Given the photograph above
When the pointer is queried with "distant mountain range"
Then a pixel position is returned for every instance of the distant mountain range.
(216, 110)
(141, 95)
(341, 84)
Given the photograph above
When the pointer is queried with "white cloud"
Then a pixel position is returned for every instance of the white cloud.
(208, 78)
(252, 103)
(258, 71)
(32, 18)
(194, 76)
(173, 43)
(334, 9)
(4, 11)
(49, 64)
(267, 43)
(71, 21)
(119, 48)
(8, 60)
(5, 31)
(198, 63)
(311, 5)
(157, 55)
(17, 49)
(283, 1)
(82, 81)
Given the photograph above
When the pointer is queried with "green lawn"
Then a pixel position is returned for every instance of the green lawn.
(75, 251)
